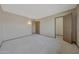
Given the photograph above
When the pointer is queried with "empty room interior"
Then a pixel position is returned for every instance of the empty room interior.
(39, 29)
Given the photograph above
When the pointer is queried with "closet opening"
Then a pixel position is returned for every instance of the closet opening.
(59, 27)
(65, 26)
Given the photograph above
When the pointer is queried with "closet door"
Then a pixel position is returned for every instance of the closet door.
(67, 28)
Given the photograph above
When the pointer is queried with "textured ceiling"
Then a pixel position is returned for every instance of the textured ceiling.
(37, 11)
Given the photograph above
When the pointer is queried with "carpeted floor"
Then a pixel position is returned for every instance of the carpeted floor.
(38, 44)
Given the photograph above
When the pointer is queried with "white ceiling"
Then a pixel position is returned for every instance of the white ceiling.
(37, 11)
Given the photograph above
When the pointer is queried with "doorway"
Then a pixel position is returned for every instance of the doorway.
(59, 27)
(35, 27)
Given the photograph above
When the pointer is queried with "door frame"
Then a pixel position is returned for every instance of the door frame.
(55, 24)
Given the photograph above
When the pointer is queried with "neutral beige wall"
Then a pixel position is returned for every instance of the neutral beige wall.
(1, 34)
(33, 27)
(47, 24)
(13, 25)
(78, 25)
